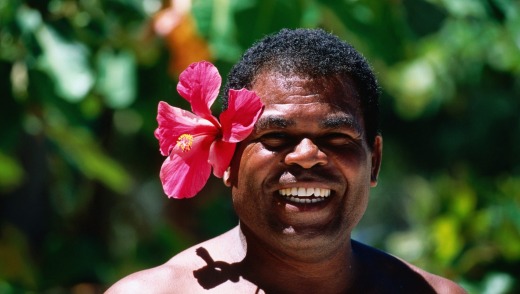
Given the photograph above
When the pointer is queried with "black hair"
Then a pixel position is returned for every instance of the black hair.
(313, 53)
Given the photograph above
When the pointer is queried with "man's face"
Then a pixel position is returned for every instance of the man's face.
(306, 170)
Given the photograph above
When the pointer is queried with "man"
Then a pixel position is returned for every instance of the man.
(300, 184)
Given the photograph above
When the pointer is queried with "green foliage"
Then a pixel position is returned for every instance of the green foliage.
(81, 204)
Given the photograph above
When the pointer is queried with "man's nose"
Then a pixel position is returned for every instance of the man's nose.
(306, 154)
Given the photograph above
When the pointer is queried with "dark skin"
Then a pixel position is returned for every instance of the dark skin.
(300, 184)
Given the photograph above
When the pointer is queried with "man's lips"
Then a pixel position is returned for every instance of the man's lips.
(304, 194)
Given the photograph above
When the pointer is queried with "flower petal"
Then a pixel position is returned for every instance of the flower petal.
(196, 142)
(184, 174)
(220, 155)
(244, 108)
(199, 84)
(174, 122)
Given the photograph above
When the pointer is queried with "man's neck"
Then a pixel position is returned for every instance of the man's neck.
(329, 268)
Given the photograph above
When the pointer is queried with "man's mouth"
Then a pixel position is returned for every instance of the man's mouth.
(304, 195)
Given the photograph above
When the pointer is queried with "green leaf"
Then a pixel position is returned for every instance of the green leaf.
(28, 19)
(11, 172)
(448, 241)
(464, 8)
(67, 63)
(117, 78)
(82, 150)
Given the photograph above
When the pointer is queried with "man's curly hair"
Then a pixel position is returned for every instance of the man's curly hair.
(312, 53)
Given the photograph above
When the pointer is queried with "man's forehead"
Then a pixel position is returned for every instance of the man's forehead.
(278, 88)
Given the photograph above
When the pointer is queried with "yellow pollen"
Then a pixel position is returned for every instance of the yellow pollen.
(185, 141)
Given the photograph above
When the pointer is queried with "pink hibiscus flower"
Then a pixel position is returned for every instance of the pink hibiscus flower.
(196, 142)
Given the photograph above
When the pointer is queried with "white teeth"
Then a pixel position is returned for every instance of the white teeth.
(305, 192)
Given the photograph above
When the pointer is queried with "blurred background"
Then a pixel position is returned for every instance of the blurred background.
(81, 204)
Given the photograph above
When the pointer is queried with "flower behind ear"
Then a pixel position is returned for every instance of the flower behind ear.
(196, 142)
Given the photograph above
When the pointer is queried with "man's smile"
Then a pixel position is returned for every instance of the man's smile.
(304, 195)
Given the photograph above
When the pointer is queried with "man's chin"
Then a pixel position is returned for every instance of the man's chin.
(305, 216)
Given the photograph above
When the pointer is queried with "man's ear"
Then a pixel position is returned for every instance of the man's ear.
(377, 155)
(226, 177)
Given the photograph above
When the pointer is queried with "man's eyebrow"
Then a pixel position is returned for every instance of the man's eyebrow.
(336, 122)
(273, 121)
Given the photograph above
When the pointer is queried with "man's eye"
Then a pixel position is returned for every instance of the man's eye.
(274, 140)
(337, 139)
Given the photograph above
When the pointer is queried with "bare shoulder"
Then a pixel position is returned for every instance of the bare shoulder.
(160, 279)
(438, 283)
(178, 275)
(174, 276)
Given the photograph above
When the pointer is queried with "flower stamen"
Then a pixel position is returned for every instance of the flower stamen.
(184, 142)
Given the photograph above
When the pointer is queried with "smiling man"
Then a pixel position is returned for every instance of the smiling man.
(300, 184)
